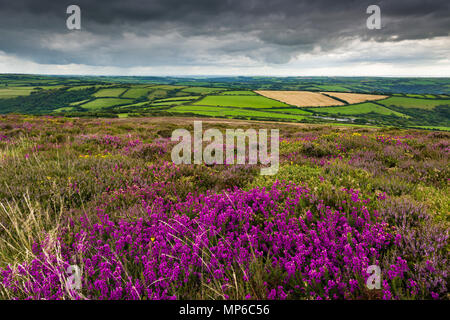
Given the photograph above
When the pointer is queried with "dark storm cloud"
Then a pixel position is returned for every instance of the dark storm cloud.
(180, 32)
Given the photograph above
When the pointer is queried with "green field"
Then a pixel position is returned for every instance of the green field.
(114, 92)
(426, 96)
(79, 88)
(186, 98)
(64, 109)
(434, 128)
(202, 90)
(134, 105)
(105, 103)
(427, 104)
(157, 94)
(168, 103)
(85, 87)
(12, 92)
(333, 88)
(240, 102)
(167, 87)
(79, 102)
(230, 112)
(300, 111)
(238, 93)
(135, 93)
(362, 108)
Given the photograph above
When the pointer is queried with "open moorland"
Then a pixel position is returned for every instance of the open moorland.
(103, 194)
(400, 102)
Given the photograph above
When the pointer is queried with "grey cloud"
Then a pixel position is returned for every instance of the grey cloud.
(268, 31)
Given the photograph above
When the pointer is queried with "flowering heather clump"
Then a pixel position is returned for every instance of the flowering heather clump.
(419, 237)
(208, 240)
(149, 151)
(103, 195)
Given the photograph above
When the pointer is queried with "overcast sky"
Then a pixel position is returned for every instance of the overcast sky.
(226, 37)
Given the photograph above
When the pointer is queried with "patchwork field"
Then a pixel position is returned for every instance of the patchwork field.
(351, 100)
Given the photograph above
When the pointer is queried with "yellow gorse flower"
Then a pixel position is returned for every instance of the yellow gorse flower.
(99, 155)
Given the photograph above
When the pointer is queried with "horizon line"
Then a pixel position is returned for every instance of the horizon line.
(219, 75)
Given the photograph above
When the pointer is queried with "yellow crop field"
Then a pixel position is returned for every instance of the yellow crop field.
(318, 99)
(355, 97)
(301, 98)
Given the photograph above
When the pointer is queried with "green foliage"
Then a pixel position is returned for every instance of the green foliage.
(44, 101)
